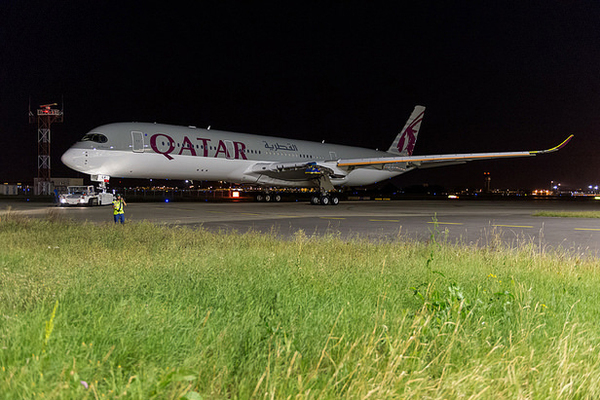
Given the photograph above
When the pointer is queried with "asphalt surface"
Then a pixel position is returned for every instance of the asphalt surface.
(472, 222)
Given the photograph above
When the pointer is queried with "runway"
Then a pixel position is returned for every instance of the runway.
(467, 221)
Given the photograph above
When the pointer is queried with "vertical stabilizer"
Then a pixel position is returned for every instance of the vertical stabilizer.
(404, 144)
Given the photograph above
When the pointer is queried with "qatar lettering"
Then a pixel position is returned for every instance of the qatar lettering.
(164, 144)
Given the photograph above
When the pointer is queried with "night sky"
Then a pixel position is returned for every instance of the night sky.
(494, 76)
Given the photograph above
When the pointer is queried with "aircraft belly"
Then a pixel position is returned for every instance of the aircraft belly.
(265, 180)
(293, 175)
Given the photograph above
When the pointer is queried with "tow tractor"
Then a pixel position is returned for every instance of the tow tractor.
(85, 196)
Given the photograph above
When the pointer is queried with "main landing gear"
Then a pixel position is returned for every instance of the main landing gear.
(327, 193)
(268, 197)
(325, 199)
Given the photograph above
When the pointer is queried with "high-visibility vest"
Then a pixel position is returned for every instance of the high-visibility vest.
(118, 207)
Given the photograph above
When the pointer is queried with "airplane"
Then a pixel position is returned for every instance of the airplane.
(159, 151)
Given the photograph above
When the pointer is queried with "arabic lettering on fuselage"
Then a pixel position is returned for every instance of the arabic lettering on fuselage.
(227, 148)
(278, 146)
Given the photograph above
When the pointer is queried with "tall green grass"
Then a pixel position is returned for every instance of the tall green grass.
(143, 311)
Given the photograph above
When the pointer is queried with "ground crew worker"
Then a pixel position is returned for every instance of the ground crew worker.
(119, 209)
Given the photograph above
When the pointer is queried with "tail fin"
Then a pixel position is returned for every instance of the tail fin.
(404, 144)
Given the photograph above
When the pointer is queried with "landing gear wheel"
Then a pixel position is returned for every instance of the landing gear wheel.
(315, 200)
(334, 201)
(325, 200)
(268, 197)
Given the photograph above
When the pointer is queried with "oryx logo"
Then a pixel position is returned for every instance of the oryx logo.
(409, 136)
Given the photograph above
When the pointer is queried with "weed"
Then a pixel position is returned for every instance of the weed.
(49, 327)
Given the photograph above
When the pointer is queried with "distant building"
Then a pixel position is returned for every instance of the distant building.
(64, 182)
(58, 183)
(9, 190)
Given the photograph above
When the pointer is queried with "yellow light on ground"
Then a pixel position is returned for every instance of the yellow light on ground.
(452, 196)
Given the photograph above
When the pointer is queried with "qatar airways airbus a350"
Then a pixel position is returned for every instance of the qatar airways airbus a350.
(150, 150)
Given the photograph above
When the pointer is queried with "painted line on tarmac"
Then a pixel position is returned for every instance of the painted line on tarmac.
(249, 214)
(588, 229)
(446, 223)
(332, 218)
(512, 226)
(384, 220)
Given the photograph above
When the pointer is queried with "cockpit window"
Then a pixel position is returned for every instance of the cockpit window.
(94, 137)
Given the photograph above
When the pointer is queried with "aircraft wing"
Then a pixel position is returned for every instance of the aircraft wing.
(441, 159)
(323, 171)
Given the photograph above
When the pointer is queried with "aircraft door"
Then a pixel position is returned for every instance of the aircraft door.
(137, 142)
(229, 149)
(332, 155)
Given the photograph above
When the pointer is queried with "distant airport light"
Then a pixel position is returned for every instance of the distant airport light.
(235, 194)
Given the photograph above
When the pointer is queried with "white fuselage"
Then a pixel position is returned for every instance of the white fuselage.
(145, 150)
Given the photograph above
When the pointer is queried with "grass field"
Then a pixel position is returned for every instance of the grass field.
(568, 214)
(149, 312)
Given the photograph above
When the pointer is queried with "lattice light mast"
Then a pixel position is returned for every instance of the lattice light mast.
(46, 116)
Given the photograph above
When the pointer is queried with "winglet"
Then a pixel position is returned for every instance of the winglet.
(556, 148)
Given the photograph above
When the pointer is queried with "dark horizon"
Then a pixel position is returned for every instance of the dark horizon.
(499, 77)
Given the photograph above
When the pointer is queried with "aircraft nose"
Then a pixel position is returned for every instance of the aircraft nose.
(72, 159)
